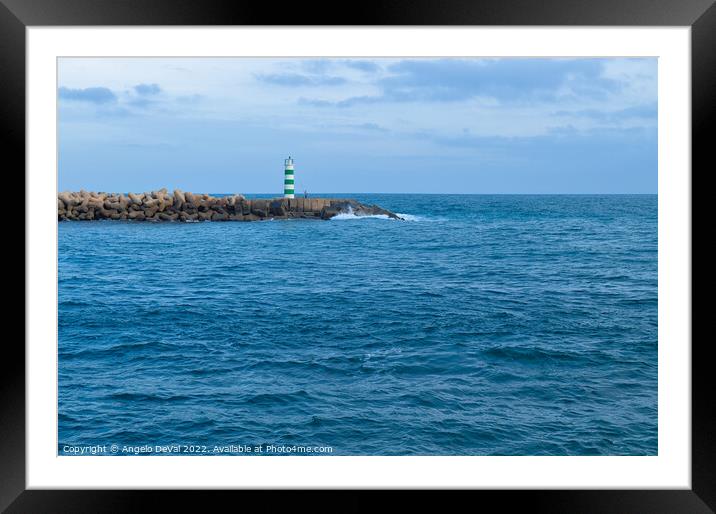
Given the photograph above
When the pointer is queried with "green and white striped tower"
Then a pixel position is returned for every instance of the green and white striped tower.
(288, 178)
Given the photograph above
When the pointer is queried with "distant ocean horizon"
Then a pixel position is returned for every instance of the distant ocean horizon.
(341, 195)
(485, 324)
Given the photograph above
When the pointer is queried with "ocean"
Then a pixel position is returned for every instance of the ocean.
(481, 325)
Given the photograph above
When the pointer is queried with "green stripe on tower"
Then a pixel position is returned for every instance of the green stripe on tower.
(288, 181)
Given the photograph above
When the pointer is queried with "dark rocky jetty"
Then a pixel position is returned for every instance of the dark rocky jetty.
(180, 206)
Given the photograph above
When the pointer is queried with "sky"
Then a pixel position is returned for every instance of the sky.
(359, 125)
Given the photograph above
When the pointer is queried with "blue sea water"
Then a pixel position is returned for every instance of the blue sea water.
(483, 325)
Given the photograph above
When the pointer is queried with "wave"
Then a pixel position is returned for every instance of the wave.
(410, 217)
(351, 216)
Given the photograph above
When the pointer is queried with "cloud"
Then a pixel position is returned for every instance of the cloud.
(142, 103)
(190, 99)
(371, 126)
(316, 65)
(506, 80)
(642, 112)
(313, 102)
(323, 66)
(95, 95)
(509, 145)
(296, 79)
(367, 66)
(147, 89)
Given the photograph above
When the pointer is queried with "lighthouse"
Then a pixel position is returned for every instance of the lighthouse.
(288, 178)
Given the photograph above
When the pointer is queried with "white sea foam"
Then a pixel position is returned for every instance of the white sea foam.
(410, 217)
(351, 216)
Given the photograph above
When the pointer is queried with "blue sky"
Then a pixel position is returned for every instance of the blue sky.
(527, 125)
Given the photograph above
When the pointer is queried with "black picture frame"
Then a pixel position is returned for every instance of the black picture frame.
(16, 15)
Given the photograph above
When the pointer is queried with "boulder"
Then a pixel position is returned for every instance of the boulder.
(135, 199)
(277, 208)
(161, 206)
(328, 212)
(67, 198)
(151, 203)
(259, 204)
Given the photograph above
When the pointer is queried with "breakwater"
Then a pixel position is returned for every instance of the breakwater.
(160, 205)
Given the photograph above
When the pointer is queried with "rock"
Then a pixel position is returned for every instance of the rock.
(67, 199)
(95, 203)
(277, 208)
(160, 206)
(167, 217)
(260, 205)
(328, 212)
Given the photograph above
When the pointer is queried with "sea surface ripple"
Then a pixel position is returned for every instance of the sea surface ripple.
(484, 325)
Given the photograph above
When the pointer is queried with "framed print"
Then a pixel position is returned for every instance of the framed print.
(420, 247)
